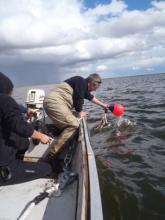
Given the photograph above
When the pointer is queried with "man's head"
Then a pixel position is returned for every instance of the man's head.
(94, 81)
(6, 85)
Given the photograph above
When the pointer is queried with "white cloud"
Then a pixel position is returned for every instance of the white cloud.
(114, 8)
(158, 5)
(101, 68)
(64, 35)
(135, 67)
(39, 23)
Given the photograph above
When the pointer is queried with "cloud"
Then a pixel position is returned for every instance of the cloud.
(64, 38)
(135, 67)
(158, 5)
(101, 68)
(114, 8)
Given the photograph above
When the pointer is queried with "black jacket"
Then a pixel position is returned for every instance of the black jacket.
(11, 120)
(80, 91)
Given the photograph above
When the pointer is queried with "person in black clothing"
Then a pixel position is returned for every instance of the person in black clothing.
(13, 170)
(60, 102)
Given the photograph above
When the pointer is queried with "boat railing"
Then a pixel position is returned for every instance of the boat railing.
(94, 188)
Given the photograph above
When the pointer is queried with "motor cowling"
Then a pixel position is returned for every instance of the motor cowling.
(35, 98)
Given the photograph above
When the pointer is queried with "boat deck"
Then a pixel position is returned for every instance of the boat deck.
(80, 200)
(16, 197)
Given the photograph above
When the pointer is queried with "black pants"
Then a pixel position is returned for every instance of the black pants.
(21, 171)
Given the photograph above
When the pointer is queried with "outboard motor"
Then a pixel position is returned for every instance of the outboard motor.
(35, 98)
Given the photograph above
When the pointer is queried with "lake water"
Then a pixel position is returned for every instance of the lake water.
(130, 152)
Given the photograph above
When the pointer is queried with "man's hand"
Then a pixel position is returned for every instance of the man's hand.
(82, 114)
(42, 137)
(45, 139)
(31, 112)
(105, 107)
(98, 102)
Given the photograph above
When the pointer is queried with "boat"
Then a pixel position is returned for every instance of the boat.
(79, 200)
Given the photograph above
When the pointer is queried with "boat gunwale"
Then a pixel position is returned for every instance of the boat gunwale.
(94, 187)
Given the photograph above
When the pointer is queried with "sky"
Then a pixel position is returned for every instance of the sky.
(48, 41)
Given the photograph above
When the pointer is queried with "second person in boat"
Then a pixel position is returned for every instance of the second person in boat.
(67, 96)
(14, 129)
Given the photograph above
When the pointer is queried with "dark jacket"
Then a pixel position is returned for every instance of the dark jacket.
(11, 120)
(80, 91)
(6, 85)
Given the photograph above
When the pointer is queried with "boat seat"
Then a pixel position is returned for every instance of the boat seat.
(38, 151)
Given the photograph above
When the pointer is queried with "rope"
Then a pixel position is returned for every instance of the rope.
(38, 199)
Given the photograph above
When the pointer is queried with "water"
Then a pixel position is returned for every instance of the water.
(130, 151)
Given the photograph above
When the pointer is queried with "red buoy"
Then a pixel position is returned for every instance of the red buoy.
(117, 109)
